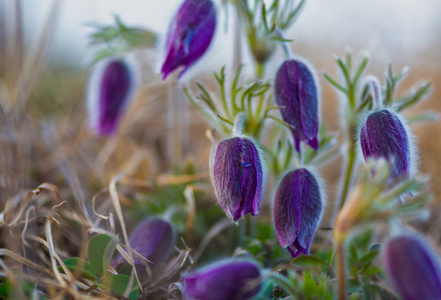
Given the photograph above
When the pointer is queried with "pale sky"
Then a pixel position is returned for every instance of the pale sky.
(389, 29)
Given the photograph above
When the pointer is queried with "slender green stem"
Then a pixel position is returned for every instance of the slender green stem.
(351, 96)
(285, 46)
(259, 106)
(250, 114)
(242, 234)
(260, 70)
(249, 226)
(224, 101)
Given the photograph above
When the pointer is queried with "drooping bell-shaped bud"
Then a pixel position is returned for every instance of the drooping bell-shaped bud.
(383, 135)
(110, 90)
(189, 35)
(153, 238)
(298, 207)
(224, 280)
(413, 268)
(237, 176)
(296, 93)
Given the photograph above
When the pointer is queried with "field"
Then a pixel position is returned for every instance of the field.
(232, 162)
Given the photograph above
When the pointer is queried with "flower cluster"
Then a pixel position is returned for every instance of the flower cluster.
(238, 165)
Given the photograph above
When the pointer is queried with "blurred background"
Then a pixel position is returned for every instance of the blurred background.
(404, 33)
(47, 53)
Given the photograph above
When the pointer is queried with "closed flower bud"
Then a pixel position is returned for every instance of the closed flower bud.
(189, 35)
(383, 135)
(296, 93)
(237, 177)
(110, 90)
(298, 207)
(413, 268)
(225, 280)
(153, 238)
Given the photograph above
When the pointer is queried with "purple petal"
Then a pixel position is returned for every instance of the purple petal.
(296, 92)
(413, 268)
(295, 249)
(153, 238)
(314, 143)
(225, 280)
(115, 83)
(297, 211)
(189, 35)
(238, 177)
(384, 136)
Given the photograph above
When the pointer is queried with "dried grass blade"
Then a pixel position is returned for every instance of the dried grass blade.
(117, 206)
(25, 261)
(34, 59)
(189, 196)
(215, 230)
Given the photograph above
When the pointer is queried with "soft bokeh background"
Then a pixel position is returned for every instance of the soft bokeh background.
(405, 33)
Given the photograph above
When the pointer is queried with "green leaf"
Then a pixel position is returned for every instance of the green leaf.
(375, 247)
(289, 126)
(360, 70)
(372, 289)
(352, 254)
(415, 97)
(374, 271)
(118, 283)
(354, 286)
(368, 257)
(427, 116)
(335, 84)
(100, 251)
(309, 261)
(9, 291)
(363, 240)
(79, 267)
(281, 39)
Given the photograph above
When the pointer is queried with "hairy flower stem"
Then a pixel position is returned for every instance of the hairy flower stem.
(260, 70)
(177, 121)
(237, 44)
(246, 229)
(239, 123)
(350, 164)
(285, 45)
(341, 268)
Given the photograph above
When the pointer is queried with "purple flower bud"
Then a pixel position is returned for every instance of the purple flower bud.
(413, 268)
(238, 177)
(296, 93)
(382, 135)
(189, 35)
(110, 89)
(153, 238)
(225, 280)
(298, 209)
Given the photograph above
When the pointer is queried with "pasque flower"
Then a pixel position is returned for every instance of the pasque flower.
(413, 268)
(237, 177)
(189, 35)
(110, 90)
(231, 279)
(298, 207)
(296, 93)
(153, 238)
(383, 135)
